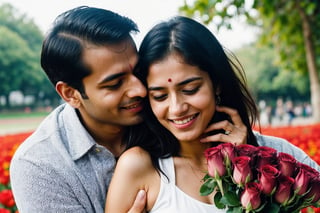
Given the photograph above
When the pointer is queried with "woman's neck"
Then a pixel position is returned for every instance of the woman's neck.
(193, 150)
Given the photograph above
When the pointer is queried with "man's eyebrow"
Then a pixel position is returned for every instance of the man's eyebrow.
(179, 84)
(112, 77)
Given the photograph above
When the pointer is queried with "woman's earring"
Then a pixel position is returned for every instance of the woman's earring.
(218, 100)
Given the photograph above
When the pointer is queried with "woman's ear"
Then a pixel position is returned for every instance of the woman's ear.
(217, 96)
(68, 94)
(218, 91)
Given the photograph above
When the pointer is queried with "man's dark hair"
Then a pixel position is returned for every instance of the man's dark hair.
(62, 49)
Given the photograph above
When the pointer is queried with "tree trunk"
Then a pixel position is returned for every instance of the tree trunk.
(312, 67)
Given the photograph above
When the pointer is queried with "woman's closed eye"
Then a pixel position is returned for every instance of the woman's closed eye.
(191, 91)
(159, 97)
(163, 96)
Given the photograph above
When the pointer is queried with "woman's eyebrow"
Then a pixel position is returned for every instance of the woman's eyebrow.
(189, 80)
(179, 84)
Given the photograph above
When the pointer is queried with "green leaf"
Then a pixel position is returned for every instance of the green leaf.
(237, 209)
(208, 187)
(217, 200)
(230, 199)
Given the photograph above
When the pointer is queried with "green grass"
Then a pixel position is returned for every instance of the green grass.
(15, 115)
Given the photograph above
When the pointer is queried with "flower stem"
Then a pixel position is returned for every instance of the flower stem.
(219, 182)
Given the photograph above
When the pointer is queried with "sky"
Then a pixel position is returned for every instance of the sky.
(145, 13)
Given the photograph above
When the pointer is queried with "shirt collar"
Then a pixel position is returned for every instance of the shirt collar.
(78, 138)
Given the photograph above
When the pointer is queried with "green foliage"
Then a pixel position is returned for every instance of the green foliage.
(20, 44)
(14, 59)
(279, 20)
(291, 27)
(266, 79)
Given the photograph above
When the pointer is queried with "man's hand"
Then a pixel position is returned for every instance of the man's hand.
(139, 203)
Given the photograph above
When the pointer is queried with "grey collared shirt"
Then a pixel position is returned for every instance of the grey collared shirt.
(60, 168)
(282, 145)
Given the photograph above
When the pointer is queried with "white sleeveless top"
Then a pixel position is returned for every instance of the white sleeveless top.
(171, 199)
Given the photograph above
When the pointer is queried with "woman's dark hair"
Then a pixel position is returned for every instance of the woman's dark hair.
(62, 49)
(197, 46)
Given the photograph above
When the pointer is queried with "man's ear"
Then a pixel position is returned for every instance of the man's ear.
(68, 94)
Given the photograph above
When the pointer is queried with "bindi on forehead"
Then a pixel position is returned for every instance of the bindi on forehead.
(169, 80)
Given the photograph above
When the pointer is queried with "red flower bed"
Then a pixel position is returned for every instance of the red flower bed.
(305, 137)
(9, 144)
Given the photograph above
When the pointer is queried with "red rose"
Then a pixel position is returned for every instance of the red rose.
(266, 155)
(301, 184)
(242, 171)
(228, 150)
(246, 150)
(268, 178)
(314, 190)
(283, 191)
(215, 162)
(287, 164)
(6, 198)
(250, 198)
(311, 171)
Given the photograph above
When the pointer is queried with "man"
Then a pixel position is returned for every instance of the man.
(67, 163)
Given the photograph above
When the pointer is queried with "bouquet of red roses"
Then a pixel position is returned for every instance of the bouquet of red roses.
(247, 179)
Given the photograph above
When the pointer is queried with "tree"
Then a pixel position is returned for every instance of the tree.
(266, 80)
(20, 44)
(13, 61)
(293, 27)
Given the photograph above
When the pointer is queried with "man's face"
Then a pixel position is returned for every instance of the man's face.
(113, 93)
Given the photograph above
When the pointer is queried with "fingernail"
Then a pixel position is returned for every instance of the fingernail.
(141, 194)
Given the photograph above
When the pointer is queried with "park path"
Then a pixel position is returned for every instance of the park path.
(19, 125)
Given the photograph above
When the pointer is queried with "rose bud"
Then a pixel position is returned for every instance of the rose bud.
(311, 171)
(314, 190)
(229, 153)
(287, 164)
(246, 150)
(242, 171)
(266, 155)
(283, 191)
(268, 178)
(228, 150)
(250, 198)
(301, 184)
(215, 160)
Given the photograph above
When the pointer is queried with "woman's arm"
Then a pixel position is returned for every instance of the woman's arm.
(133, 173)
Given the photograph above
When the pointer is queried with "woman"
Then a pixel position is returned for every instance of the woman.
(189, 78)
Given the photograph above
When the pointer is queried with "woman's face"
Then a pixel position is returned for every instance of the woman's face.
(181, 97)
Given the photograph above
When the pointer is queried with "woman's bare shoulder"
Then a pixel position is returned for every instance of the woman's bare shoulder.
(135, 160)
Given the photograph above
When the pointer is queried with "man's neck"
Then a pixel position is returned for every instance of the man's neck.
(109, 136)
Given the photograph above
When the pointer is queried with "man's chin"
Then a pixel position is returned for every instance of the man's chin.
(134, 121)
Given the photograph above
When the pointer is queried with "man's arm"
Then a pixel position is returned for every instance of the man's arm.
(40, 189)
